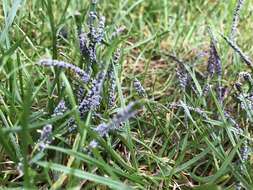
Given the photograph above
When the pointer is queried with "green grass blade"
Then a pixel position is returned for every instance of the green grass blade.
(84, 175)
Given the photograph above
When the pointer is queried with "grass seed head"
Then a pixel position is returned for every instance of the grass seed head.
(243, 56)
(221, 91)
(61, 64)
(121, 116)
(214, 61)
(60, 108)
(112, 86)
(183, 78)
(101, 29)
(112, 79)
(44, 137)
(83, 44)
(235, 20)
(93, 97)
(139, 88)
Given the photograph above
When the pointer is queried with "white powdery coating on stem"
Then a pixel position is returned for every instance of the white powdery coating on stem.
(244, 57)
(102, 129)
(246, 101)
(93, 97)
(206, 89)
(221, 91)
(112, 79)
(88, 52)
(233, 122)
(180, 104)
(235, 19)
(60, 108)
(101, 29)
(93, 144)
(90, 101)
(92, 18)
(83, 44)
(112, 86)
(71, 125)
(92, 53)
(79, 91)
(118, 31)
(214, 61)
(246, 76)
(79, 94)
(116, 56)
(244, 151)
(123, 115)
(44, 136)
(183, 78)
(139, 88)
(55, 63)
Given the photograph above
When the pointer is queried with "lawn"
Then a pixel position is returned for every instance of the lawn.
(126, 94)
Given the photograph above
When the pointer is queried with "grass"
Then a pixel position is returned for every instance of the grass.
(192, 144)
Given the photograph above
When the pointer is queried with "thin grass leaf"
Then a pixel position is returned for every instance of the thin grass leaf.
(84, 175)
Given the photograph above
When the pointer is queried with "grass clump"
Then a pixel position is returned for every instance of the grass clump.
(136, 99)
